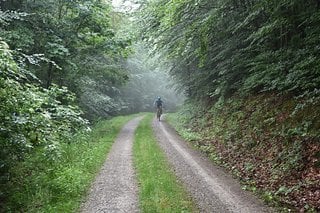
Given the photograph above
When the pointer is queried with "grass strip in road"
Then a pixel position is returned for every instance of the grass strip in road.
(159, 189)
(39, 185)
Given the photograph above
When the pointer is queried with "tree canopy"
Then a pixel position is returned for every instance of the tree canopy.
(219, 48)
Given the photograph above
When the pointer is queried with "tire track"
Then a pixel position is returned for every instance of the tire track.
(211, 187)
(115, 188)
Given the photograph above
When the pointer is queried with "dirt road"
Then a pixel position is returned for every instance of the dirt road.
(212, 188)
(115, 188)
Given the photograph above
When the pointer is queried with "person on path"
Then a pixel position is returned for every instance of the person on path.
(158, 103)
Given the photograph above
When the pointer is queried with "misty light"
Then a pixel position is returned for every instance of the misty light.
(124, 5)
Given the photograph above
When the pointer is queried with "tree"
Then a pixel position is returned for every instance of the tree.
(235, 46)
(77, 45)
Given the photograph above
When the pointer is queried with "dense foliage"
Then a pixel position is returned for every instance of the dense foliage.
(32, 118)
(54, 57)
(76, 46)
(218, 48)
(251, 73)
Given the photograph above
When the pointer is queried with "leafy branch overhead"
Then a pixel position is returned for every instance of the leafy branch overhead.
(236, 46)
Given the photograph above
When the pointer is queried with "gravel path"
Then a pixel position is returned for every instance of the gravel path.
(212, 188)
(115, 188)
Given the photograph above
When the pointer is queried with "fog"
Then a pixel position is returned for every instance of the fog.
(148, 79)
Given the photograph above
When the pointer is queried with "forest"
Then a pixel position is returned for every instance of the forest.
(244, 76)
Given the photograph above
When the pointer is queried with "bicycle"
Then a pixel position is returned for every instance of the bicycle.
(159, 112)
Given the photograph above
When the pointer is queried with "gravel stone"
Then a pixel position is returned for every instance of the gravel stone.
(115, 188)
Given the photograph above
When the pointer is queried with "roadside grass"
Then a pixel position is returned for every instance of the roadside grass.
(159, 188)
(178, 120)
(39, 185)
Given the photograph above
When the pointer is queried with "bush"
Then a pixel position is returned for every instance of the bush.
(32, 118)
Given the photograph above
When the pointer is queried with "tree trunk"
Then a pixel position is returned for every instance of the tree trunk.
(49, 75)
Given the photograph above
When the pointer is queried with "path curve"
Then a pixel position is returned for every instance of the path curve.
(115, 188)
(211, 187)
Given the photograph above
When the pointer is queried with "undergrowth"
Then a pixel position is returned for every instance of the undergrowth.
(159, 189)
(266, 141)
(41, 185)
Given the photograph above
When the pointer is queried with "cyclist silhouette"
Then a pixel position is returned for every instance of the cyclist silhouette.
(159, 104)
